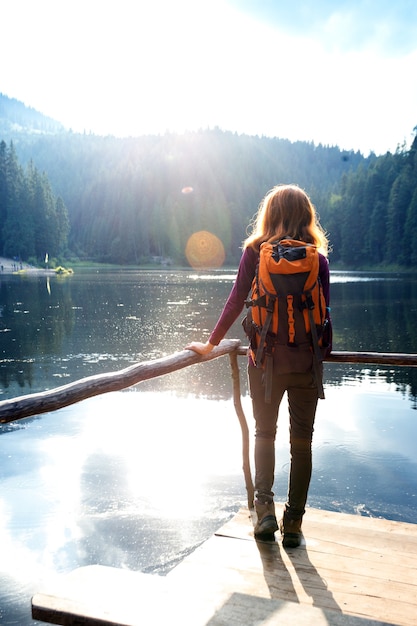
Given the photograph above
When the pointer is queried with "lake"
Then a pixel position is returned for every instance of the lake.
(139, 478)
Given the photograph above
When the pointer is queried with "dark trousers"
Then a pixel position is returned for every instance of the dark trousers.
(302, 403)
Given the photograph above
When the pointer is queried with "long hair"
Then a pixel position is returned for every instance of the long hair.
(286, 212)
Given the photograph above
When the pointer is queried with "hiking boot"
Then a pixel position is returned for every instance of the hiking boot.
(291, 532)
(267, 522)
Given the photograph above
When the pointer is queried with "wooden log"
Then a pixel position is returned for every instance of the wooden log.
(53, 399)
(378, 358)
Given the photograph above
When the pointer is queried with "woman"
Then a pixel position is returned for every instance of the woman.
(285, 212)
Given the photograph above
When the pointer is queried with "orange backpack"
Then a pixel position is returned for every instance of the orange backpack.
(287, 311)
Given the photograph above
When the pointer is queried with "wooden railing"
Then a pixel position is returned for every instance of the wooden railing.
(54, 399)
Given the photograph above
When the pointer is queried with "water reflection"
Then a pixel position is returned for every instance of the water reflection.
(365, 453)
(374, 313)
(401, 379)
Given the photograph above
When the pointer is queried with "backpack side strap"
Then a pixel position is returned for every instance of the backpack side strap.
(318, 377)
(270, 310)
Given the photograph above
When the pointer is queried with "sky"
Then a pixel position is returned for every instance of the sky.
(335, 73)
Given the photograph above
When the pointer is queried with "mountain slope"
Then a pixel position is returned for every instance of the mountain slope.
(17, 119)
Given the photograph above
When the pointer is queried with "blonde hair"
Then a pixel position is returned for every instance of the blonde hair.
(287, 212)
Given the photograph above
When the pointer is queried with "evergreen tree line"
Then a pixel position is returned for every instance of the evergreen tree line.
(33, 222)
(126, 204)
(372, 221)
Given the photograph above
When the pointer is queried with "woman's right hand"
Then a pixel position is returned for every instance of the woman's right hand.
(199, 347)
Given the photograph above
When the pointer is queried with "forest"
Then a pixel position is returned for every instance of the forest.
(33, 222)
(138, 200)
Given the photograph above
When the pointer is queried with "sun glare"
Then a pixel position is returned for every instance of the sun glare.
(165, 472)
(204, 250)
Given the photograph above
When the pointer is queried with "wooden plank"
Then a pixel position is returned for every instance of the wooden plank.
(341, 585)
(237, 609)
(350, 533)
(368, 577)
(350, 570)
(97, 596)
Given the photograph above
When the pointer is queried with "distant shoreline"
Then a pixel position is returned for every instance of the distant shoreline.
(9, 266)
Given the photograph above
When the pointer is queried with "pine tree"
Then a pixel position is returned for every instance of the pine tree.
(34, 221)
(19, 224)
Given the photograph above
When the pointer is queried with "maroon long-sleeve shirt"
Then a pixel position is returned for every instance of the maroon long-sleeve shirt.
(242, 286)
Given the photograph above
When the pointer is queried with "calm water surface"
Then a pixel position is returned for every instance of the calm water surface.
(139, 478)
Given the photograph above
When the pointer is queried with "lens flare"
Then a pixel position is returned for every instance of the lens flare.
(204, 250)
(187, 190)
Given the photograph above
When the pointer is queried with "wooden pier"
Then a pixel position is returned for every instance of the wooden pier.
(350, 570)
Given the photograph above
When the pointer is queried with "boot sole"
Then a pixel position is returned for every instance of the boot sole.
(268, 526)
(291, 540)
